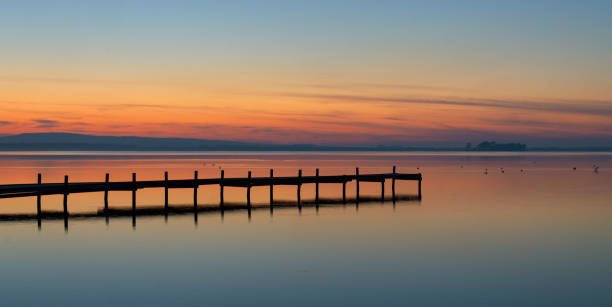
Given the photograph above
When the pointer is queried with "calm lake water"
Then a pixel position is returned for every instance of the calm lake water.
(539, 233)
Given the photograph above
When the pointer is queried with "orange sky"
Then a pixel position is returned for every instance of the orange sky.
(279, 80)
(291, 111)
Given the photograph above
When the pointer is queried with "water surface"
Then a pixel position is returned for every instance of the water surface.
(534, 233)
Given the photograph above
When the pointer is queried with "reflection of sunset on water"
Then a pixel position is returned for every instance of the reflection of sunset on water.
(496, 115)
(532, 221)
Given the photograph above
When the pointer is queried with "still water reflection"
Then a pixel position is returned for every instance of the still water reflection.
(531, 231)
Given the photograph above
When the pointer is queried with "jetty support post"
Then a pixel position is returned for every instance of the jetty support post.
(166, 191)
(344, 192)
(317, 186)
(133, 200)
(249, 191)
(271, 187)
(299, 188)
(357, 184)
(221, 189)
(382, 189)
(195, 190)
(420, 179)
(106, 180)
(393, 184)
(133, 191)
(65, 195)
(38, 201)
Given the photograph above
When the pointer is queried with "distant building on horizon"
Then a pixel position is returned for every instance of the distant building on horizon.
(493, 146)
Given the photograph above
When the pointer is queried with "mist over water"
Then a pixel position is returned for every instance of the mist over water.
(491, 230)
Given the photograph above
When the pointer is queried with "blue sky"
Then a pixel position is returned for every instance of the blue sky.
(237, 54)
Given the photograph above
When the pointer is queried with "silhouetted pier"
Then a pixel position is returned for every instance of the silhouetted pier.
(41, 189)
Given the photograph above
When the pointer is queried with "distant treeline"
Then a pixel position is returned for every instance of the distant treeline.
(82, 142)
(493, 146)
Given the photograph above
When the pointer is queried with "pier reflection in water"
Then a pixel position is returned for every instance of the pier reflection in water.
(208, 209)
(535, 234)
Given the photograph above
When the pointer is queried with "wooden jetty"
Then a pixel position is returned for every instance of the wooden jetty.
(65, 188)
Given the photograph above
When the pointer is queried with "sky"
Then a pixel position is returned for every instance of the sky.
(324, 72)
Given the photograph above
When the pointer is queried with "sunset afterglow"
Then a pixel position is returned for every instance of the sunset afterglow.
(293, 72)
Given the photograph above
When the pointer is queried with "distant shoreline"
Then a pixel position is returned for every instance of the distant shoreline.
(443, 153)
(62, 142)
(8, 149)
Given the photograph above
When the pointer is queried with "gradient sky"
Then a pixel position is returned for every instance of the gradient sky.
(329, 72)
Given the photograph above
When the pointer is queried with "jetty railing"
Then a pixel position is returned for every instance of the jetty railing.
(40, 189)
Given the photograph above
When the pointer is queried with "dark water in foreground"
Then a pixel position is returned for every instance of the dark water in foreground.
(541, 236)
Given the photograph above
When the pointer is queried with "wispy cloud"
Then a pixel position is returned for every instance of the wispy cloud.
(602, 108)
(46, 123)
(398, 86)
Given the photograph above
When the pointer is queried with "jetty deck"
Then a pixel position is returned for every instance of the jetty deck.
(65, 188)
